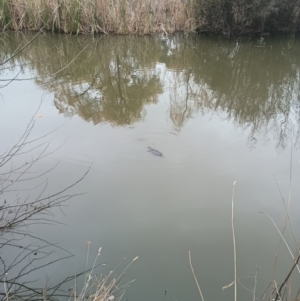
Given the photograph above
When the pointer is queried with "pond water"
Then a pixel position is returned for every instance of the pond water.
(218, 111)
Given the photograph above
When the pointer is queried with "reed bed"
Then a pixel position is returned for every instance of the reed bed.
(230, 17)
(98, 16)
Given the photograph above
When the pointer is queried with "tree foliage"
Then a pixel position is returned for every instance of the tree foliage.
(248, 16)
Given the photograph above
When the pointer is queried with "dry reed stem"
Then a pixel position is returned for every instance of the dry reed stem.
(234, 247)
(255, 284)
(199, 289)
(98, 16)
(254, 287)
(87, 253)
(283, 239)
(101, 289)
(276, 288)
(287, 209)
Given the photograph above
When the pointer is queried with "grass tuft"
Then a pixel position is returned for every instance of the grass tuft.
(102, 288)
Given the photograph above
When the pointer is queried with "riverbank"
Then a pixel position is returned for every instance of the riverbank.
(98, 16)
(226, 17)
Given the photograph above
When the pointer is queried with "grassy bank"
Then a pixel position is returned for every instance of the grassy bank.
(97, 16)
(229, 17)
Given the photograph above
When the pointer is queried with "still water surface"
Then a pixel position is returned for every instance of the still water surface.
(219, 110)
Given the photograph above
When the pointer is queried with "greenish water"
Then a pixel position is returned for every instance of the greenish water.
(219, 110)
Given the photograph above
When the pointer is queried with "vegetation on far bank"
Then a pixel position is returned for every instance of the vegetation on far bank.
(239, 17)
(97, 16)
(229, 17)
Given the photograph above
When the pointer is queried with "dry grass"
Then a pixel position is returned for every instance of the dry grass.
(103, 288)
(98, 16)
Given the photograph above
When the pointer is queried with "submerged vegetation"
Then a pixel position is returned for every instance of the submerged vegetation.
(149, 16)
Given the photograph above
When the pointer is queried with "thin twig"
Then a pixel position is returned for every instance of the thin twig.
(233, 237)
(199, 289)
(283, 239)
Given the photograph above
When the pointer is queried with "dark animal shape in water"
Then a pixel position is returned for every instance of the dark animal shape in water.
(154, 152)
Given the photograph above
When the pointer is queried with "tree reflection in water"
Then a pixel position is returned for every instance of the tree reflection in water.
(255, 85)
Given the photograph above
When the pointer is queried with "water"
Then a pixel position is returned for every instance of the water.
(218, 110)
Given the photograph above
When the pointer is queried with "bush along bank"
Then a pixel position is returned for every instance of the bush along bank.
(242, 17)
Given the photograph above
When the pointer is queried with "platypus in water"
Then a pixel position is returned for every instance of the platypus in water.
(154, 152)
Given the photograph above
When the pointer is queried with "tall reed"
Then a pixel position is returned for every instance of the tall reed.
(101, 288)
(97, 16)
